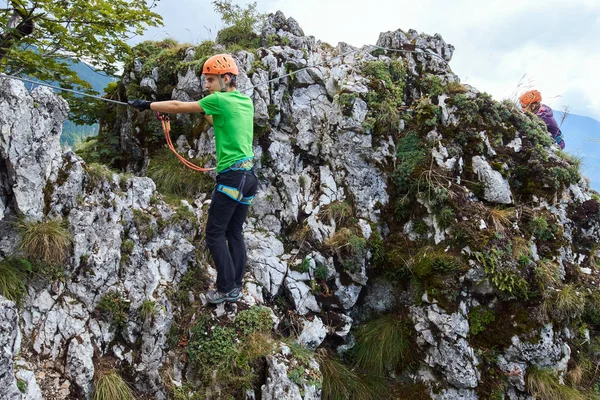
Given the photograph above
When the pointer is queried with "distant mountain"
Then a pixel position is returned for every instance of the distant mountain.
(582, 138)
(73, 134)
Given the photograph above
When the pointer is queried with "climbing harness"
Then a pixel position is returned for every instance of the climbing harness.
(237, 194)
(166, 126)
(164, 119)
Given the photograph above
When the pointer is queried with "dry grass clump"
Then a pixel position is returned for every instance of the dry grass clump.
(46, 241)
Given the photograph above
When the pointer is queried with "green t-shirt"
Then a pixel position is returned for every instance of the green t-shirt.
(233, 122)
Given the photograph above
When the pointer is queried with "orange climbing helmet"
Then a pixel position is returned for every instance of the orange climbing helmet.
(529, 97)
(220, 64)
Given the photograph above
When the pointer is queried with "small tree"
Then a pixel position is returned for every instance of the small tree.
(241, 24)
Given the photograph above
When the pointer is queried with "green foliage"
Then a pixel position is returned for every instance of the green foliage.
(147, 310)
(111, 386)
(341, 382)
(433, 85)
(13, 278)
(561, 177)
(545, 384)
(411, 157)
(445, 217)
(241, 24)
(386, 95)
(321, 272)
(47, 241)
(114, 308)
(254, 319)
(173, 178)
(479, 318)
(22, 385)
(539, 227)
(304, 266)
(384, 344)
(49, 34)
(427, 114)
(503, 277)
(214, 348)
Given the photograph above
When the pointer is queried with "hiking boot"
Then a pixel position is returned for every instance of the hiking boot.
(216, 297)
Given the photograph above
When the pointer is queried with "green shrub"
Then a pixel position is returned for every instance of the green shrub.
(13, 278)
(321, 272)
(385, 343)
(22, 386)
(111, 386)
(45, 241)
(254, 319)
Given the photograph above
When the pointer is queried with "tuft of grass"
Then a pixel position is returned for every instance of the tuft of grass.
(570, 158)
(544, 384)
(564, 304)
(147, 310)
(173, 178)
(501, 218)
(46, 241)
(112, 387)
(384, 343)
(13, 278)
(341, 382)
(338, 211)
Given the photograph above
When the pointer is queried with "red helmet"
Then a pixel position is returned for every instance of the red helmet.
(529, 97)
(220, 64)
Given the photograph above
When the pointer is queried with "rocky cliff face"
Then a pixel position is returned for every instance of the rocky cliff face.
(395, 203)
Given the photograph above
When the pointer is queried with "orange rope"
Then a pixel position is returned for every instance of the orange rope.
(166, 125)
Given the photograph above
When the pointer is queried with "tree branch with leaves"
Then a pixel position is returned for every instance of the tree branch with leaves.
(41, 38)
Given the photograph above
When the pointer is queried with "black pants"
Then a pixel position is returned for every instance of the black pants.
(224, 236)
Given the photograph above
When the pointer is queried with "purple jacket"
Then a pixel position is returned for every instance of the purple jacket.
(545, 114)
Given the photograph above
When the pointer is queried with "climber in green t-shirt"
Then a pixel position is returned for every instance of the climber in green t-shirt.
(232, 116)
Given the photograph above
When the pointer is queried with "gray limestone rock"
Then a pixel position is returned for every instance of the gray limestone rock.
(10, 344)
(497, 189)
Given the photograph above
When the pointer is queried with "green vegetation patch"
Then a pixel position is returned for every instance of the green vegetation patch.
(114, 308)
(479, 318)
